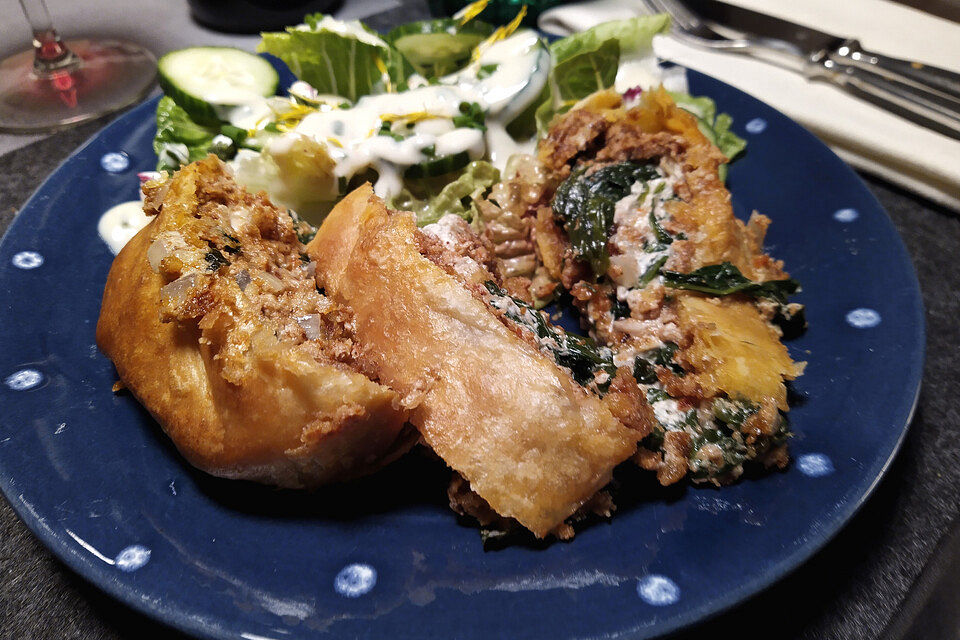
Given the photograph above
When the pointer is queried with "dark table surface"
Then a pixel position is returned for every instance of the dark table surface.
(893, 572)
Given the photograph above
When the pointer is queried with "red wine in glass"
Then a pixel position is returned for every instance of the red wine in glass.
(62, 83)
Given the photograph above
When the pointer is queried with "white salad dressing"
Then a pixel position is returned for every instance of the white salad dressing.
(501, 145)
(353, 140)
(514, 73)
(520, 65)
(637, 72)
(119, 224)
(246, 113)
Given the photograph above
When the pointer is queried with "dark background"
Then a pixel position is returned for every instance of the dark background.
(893, 572)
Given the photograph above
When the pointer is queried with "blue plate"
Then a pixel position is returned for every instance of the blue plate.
(96, 480)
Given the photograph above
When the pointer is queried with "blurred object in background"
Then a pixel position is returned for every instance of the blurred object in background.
(946, 9)
(254, 16)
(59, 83)
(498, 11)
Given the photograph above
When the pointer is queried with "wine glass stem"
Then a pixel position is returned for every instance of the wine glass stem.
(50, 54)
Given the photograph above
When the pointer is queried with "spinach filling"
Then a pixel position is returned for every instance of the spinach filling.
(304, 230)
(585, 204)
(214, 258)
(644, 366)
(725, 431)
(581, 355)
(725, 279)
(719, 424)
(619, 308)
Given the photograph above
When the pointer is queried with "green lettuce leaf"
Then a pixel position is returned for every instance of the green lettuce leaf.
(298, 174)
(179, 140)
(577, 76)
(702, 107)
(633, 35)
(342, 62)
(715, 127)
(433, 198)
(587, 62)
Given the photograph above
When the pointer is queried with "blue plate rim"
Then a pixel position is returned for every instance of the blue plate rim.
(208, 627)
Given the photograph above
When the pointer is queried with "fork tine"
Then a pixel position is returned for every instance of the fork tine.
(651, 7)
(683, 18)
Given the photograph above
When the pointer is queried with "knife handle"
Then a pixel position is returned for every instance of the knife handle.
(851, 53)
(926, 105)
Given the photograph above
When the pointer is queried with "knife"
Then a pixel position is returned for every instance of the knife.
(922, 93)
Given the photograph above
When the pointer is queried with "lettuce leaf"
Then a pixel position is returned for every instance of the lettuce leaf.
(335, 57)
(179, 140)
(633, 35)
(702, 107)
(297, 173)
(716, 127)
(433, 198)
(587, 62)
(577, 76)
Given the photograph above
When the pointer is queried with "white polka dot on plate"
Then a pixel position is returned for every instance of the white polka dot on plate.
(354, 580)
(757, 125)
(132, 558)
(815, 465)
(658, 590)
(115, 162)
(846, 215)
(24, 379)
(863, 318)
(27, 260)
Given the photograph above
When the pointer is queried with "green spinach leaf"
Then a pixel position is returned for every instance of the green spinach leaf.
(585, 204)
(644, 367)
(724, 279)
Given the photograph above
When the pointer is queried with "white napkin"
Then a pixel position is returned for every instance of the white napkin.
(864, 135)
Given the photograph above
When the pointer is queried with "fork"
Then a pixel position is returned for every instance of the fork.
(689, 28)
(927, 108)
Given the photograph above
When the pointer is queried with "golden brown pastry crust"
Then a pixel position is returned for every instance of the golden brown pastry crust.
(530, 441)
(237, 400)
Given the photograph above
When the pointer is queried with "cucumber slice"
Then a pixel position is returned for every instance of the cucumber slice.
(438, 166)
(204, 79)
(438, 47)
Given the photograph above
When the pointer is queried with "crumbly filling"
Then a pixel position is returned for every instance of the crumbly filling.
(236, 267)
(629, 308)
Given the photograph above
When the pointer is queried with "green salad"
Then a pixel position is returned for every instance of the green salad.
(430, 112)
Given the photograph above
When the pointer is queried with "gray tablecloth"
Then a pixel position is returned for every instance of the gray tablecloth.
(852, 589)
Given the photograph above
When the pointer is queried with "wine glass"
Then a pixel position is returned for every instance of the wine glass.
(62, 83)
